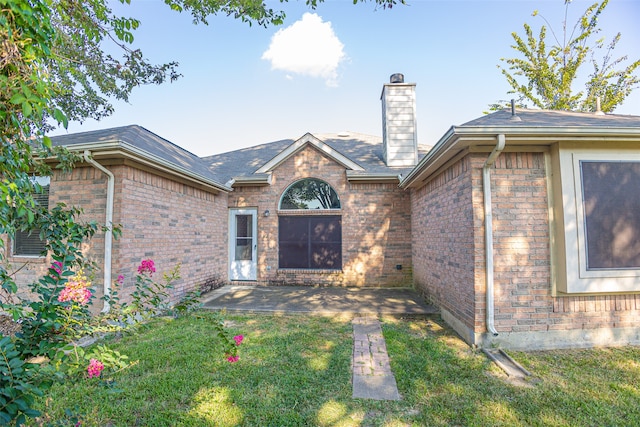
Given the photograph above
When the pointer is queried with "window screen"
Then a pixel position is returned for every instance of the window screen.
(310, 242)
(28, 243)
(611, 198)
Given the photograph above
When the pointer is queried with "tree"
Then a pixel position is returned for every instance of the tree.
(87, 77)
(547, 77)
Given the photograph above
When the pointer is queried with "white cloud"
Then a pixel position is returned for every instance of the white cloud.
(308, 47)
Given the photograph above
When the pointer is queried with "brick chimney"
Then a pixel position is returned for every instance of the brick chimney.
(399, 128)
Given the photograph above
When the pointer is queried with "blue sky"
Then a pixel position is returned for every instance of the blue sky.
(323, 72)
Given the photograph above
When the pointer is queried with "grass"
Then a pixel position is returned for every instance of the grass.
(295, 371)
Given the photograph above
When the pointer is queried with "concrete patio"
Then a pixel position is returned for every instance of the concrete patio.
(399, 302)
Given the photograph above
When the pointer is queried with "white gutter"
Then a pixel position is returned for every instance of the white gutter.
(117, 147)
(488, 230)
(108, 235)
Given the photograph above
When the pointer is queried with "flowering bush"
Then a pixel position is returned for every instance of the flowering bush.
(150, 297)
(60, 315)
(238, 339)
(95, 368)
(232, 354)
(57, 267)
(76, 290)
(147, 266)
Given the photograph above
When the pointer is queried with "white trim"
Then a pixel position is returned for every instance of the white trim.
(578, 278)
(457, 138)
(298, 145)
(243, 271)
(373, 177)
(121, 148)
(310, 209)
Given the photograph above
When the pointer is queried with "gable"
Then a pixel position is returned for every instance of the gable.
(309, 140)
(308, 161)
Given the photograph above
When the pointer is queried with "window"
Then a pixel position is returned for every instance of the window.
(310, 241)
(610, 195)
(597, 205)
(244, 237)
(28, 243)
(310, 193)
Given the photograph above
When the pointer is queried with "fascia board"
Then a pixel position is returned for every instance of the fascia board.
(372, 177)
(459, 138)
(117, 147)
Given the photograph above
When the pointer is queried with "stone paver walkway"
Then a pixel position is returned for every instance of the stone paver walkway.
(372, 376)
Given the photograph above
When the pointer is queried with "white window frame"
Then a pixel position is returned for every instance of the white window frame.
(571, 238)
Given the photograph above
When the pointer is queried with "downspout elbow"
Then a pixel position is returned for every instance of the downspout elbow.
(488, 230)
(108, 237)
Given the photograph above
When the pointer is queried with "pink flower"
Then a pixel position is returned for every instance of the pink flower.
(120, 279)
(147, 266)
(81, 296)
(232, 359)
(95, 368)
(57, 267)
(238, 339)
(76, 290)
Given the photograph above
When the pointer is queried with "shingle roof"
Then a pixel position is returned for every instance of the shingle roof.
(245, 161)
(365, 150)
(527, 127)
(141, 139)
(552, 119)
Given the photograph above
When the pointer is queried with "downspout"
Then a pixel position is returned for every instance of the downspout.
(488, 230)
(108, 236)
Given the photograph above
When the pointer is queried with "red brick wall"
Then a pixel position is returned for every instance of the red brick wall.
(523, 294)
(444, 249)
(82, 187)
(376, 226)
(449, 262)
(170, 223)
(161, 219)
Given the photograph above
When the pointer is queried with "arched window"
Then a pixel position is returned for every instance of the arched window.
(310, 241)
(310, 193)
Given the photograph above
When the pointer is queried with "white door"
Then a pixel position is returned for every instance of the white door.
(243, 245)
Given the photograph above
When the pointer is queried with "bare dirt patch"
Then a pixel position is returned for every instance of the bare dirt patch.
(8, 326)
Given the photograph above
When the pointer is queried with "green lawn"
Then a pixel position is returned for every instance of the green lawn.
(295, 371)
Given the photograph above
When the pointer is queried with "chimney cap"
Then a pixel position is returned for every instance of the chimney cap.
(396, 78)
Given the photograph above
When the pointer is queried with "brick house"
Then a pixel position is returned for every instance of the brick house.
(519, 225)
(526, 226)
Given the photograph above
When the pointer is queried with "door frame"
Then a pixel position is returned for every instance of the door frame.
(243, 270)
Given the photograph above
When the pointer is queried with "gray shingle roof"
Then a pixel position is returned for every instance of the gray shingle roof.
(529, 127)
(365, 150)
(551, 119)
(245, 161)
(144, 140)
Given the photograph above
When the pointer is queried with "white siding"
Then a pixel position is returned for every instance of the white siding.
(399, 128)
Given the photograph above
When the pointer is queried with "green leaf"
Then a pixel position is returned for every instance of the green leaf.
(18, 98)
(26, 109)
